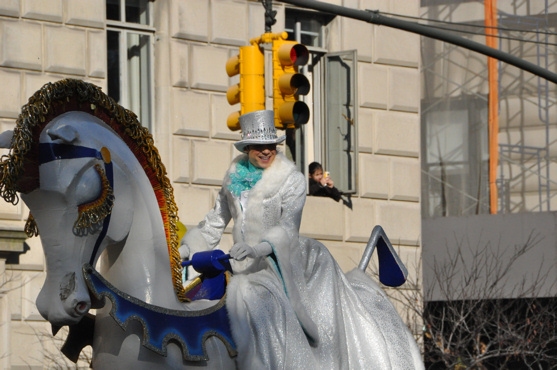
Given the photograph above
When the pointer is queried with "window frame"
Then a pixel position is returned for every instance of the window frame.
(349, 186)
(441, 173)
(146, 115)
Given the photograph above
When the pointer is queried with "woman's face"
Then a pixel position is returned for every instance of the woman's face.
(262, 156)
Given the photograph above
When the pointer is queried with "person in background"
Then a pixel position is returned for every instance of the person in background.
(321, 184)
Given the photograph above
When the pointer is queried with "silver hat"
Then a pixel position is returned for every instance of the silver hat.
(258, 128)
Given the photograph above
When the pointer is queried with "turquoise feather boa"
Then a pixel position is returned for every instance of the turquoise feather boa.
(245, 177)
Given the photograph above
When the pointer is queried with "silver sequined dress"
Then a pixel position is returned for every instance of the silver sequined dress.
(296, 309)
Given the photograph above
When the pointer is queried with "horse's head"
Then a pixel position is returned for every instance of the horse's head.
(75, 157)
(72, 208)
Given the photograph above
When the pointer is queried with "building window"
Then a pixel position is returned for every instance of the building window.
(329, 137)
(455, 159)
(130, 36)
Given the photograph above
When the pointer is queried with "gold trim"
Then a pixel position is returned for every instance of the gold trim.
(31, 229)
(94, 212)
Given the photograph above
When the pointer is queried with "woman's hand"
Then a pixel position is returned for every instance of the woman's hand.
(241, 250)
(184, 251)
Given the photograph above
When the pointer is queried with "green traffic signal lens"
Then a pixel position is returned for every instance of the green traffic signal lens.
(300, 113)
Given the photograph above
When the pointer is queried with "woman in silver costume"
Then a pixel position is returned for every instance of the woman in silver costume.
(289, 303)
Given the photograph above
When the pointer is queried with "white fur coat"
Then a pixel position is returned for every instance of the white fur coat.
(299, 310)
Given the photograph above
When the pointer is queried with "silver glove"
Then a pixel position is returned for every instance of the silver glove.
(184, 251)
(241, 250)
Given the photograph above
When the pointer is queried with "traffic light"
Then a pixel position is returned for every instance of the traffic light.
(288, 84)
(250, 91)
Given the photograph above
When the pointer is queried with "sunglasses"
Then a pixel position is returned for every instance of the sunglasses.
(261, 147)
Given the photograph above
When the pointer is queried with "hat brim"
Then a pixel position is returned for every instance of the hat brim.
(241, 145)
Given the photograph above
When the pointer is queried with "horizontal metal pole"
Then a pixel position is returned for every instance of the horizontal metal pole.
(442, 35)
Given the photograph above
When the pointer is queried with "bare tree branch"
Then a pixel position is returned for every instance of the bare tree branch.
(481, 321)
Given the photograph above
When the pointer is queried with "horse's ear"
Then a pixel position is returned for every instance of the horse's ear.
(63, 133)
(6, 139)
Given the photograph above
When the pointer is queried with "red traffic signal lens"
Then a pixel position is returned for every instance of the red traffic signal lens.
(292, 54)
(299, 55)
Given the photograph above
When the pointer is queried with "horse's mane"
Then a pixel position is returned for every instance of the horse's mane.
(19, 170)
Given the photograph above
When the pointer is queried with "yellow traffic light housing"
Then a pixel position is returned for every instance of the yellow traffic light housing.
(250, 91)
(288, 84)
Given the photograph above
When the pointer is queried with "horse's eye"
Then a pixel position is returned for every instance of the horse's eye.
(89, 187)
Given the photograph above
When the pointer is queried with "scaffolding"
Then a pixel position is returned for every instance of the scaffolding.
(454, 77)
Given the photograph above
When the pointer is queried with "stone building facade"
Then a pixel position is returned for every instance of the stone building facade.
(189, 44)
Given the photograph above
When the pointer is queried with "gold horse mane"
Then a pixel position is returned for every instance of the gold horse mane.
(19, 169)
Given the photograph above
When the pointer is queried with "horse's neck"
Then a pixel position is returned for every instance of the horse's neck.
(140, 265)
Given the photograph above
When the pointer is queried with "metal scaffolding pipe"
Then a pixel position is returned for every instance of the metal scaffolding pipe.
(493, 103)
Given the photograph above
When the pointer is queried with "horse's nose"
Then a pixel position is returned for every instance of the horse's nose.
(61, 304)
(77, 303)
(82, 307)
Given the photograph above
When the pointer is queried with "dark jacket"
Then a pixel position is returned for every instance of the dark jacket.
(318, 190)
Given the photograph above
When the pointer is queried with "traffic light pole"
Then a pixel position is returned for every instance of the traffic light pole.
(375, 18)
(269, 15)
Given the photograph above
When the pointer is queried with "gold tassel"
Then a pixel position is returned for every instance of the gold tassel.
(94, 212)
(31, 228)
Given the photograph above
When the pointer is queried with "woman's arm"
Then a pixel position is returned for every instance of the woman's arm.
(209, 231)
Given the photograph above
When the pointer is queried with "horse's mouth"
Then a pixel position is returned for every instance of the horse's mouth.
(81, 309)
(55, 329)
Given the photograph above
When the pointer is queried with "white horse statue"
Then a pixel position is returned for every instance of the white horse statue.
(100, 199)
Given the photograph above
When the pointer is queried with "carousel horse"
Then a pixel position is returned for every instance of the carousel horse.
(99, 198)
